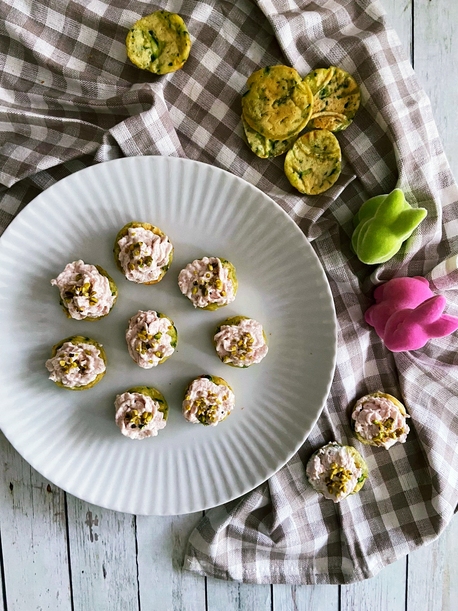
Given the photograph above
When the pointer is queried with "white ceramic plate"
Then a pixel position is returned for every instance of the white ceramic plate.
(71, 437)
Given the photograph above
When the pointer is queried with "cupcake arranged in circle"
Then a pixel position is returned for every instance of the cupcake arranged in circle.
(240, 341)
(141, 412)
(77, 363)
(208, 400)
(209, 283)
(143, 253)
(380, 420)
(336, 471)
(151, 338)
(87, 292)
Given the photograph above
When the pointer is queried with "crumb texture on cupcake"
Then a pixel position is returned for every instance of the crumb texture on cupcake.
(208, 400)
(159, 43)
(140, 412)
(336, 471)
(240, 341)
(143, 253)
(86, 291)
(379, 419)
(76, 363)
(209, 283)
(151, 338)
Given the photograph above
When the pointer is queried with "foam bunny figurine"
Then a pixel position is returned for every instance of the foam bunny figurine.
(382, 224)
(394, 295)
(411, 328)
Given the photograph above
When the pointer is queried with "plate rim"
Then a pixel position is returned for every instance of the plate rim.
(30, 208)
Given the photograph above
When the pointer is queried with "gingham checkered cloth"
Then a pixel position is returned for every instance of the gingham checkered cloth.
(70, 98)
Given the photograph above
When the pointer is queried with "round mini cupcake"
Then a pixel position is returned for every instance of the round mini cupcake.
(209, 283)
(240, 341)
(151, 338)
(159, 42)
(336, 471)
(143, 253)
(208, 400)
(77, 363)
(379, 419)
(87, 292)
(141, 412)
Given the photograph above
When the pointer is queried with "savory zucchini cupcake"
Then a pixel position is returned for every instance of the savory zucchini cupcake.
(209, 283)
(143, 253)
(314, 162)
(77, 363)
(141, 412)
(336, 471)
(151, 338)
(208, 400)
(159, 42)
(87, 292)
(277, 103)
(379, 419)
(240, 341)
(265, 147)
(336, 98)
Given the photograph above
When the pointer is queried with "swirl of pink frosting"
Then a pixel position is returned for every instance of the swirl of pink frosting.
(206, 281)
(143, 254)
(324, 462)
(148, 338)
(85, 292)
(374, 415)
(138, 415)
(75, 364)
(207, 402)
(241, 344)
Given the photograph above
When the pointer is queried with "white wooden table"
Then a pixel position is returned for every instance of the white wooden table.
(58, 553)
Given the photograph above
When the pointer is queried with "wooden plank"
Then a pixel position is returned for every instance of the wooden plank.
(103, 558)
(33, 537)
(387, 590)
(305, 598)
(233, 596)
(399, 17)
(435, 60)
(161, 543)
(433, 573)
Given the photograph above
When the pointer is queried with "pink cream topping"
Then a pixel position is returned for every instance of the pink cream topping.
(206, 281)
(207, 402)
(75, 364)
(85, 292)
(148, 338)
(378, 419)
(138, 415)
(332, 465)
(242, 344)
(143, 254)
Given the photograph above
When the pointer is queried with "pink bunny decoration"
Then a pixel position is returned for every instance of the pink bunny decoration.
(410, 329)
(406, 314)
(394, 295)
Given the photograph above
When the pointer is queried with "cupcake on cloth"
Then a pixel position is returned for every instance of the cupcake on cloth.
(336, 471)
(380, 420)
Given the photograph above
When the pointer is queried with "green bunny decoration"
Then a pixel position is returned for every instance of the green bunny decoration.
(382, 224)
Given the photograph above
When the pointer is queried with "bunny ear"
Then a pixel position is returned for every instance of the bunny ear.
(429, 311)
(444, 326)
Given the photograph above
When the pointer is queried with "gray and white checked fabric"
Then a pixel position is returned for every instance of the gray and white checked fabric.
(70, 98)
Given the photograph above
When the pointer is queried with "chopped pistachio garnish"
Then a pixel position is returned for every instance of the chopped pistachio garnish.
(336, 481)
